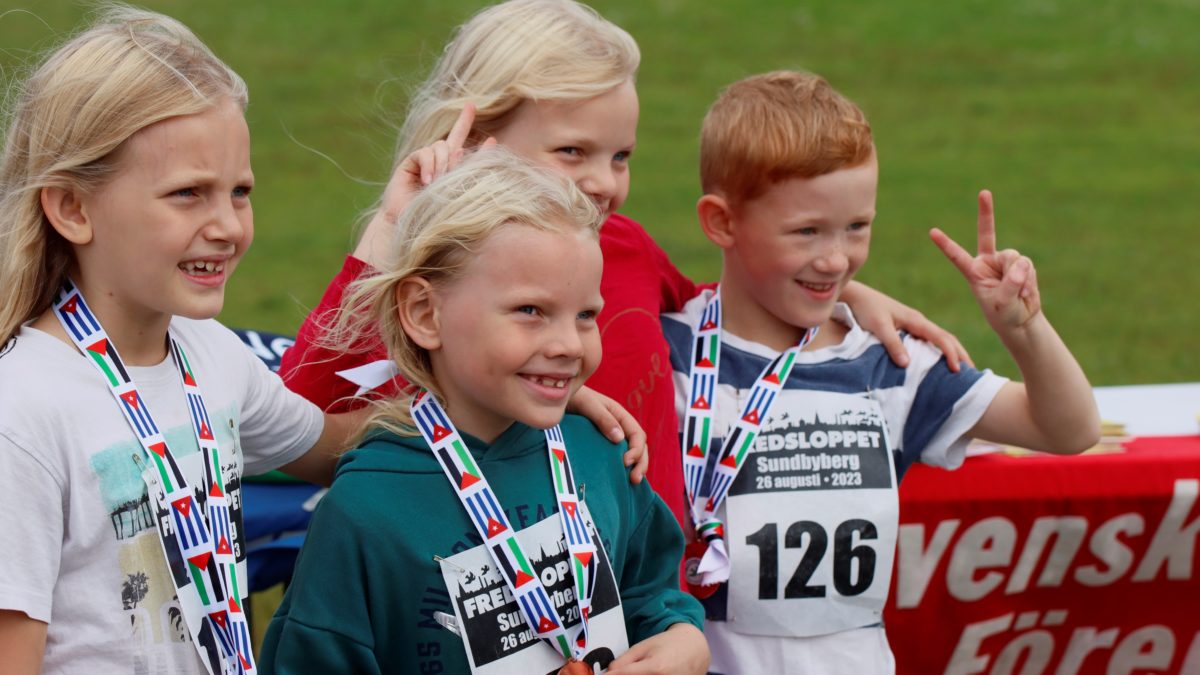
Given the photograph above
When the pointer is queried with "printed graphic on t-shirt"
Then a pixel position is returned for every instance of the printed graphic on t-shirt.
(494, 632)
(811, 519)
(146, 591)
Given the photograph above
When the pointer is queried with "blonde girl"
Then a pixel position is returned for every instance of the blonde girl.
(488, 303)
(126, 414)
(555, 82)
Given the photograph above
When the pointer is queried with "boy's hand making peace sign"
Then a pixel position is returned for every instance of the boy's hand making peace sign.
(1004, 282)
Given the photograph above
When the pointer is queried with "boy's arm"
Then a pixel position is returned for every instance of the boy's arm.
(22, 642)
(1055, 409)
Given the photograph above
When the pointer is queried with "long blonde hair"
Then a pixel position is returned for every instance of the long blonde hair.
(436, 237)
(129, 69)
(512, 52)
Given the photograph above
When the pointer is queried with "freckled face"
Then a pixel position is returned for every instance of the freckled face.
(795, 248)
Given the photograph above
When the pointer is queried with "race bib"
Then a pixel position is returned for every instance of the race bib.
(812, 519)
(494, 633)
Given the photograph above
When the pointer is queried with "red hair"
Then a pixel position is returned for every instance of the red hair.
(776, 126)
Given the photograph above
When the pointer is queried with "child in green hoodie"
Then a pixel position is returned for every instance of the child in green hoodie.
(477, 529)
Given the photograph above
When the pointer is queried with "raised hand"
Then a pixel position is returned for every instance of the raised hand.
(419, 169)
(423, 166)
(1003, 282)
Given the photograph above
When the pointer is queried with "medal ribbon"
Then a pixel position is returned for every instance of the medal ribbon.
(498, 535)
(203, 538)
(697, 432)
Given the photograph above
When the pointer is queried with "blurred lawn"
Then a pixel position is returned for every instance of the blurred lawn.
(1083, 116)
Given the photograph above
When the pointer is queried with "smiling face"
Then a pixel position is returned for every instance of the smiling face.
(792, 251)
(517, 329)
(171, 225)
(589, 140)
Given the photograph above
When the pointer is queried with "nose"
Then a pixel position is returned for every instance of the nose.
(564, 340)
(833, 258)
(230, 222)
(600, 182)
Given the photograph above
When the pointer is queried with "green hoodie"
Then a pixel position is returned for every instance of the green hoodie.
(366, 585)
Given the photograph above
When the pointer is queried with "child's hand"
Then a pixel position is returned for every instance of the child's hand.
(419, 169)
(680, 650)
(424, 166)
(882, 316)
(616, 424)
(1004, 282)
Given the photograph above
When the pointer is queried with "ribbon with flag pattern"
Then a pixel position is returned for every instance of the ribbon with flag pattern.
(203, 532)
(498, 535)
(697, 432)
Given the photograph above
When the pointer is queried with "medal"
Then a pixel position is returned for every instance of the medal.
(692, 555)
(575, 667)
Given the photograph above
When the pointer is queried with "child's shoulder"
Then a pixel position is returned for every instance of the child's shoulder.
(35, 365)
(386, 452)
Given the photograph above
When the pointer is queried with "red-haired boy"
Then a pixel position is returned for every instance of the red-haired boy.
(796, 425)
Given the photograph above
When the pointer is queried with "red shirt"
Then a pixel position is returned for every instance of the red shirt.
(639, 283)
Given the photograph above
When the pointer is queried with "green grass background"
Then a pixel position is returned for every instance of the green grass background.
(1083, 116)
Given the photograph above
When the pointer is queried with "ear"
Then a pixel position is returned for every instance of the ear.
(716, 219)
(65, 210)
(418, 307)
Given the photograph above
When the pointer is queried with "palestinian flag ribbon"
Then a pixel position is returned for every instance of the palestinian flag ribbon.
(698, 419)
(202, 539)
(498, 534)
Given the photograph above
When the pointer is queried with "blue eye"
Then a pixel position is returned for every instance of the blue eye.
(859, 226)
(185, 192)
(587, 315)
(528, 309)
(242, 191)
(622, 156)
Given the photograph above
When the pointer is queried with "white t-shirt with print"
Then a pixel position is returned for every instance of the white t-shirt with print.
(82, 551)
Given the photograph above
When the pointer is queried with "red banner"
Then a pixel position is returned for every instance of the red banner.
(1055, 565)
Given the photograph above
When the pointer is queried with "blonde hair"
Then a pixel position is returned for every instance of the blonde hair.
(776, 126)
(512, 52)
(435, 238)
(67, 120)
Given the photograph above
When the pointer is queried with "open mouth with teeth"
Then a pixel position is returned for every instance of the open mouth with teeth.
(546, 381)
(202, 268)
